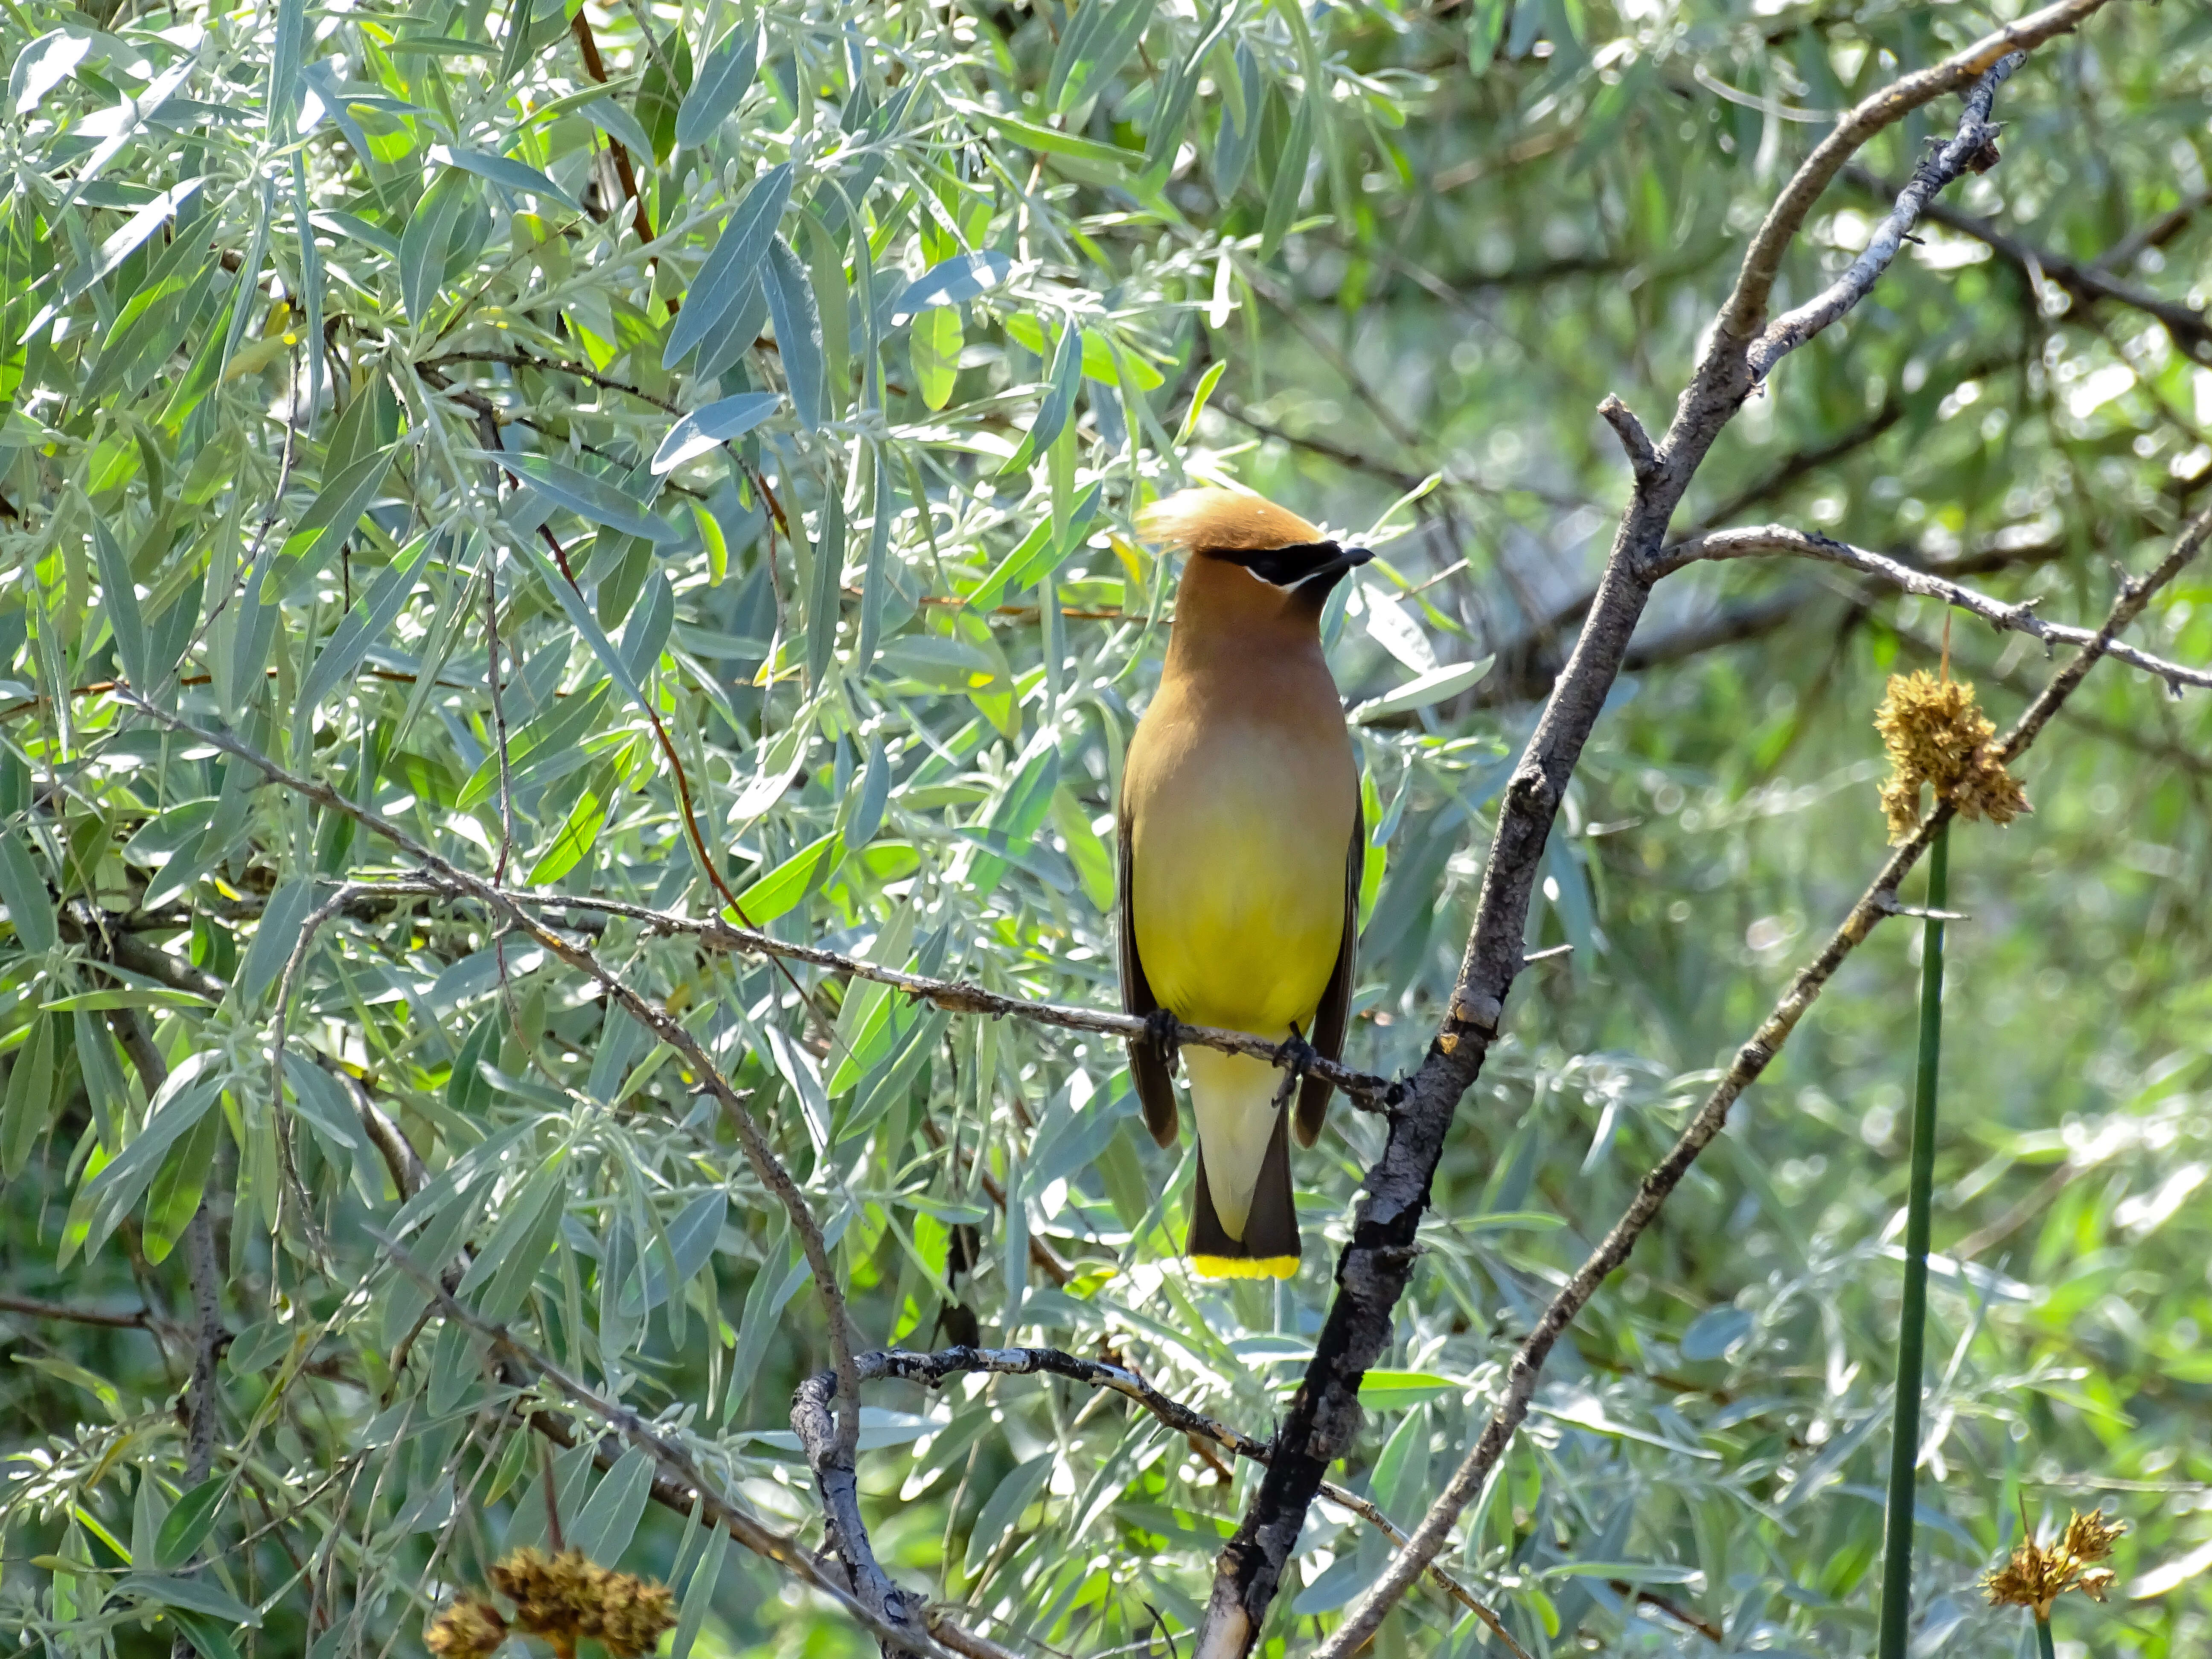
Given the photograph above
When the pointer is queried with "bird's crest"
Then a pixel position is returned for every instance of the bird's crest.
(1215, 520)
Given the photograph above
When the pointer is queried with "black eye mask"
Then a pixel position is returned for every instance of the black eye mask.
(1308, 568)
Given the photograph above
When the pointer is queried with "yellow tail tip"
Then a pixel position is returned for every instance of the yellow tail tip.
(1246, 1266)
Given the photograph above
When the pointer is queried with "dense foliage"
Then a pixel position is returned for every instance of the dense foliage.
(665, 468)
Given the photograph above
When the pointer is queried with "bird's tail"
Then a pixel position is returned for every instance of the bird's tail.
(1243, 1223)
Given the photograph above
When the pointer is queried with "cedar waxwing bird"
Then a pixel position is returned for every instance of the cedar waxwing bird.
(1241, 848)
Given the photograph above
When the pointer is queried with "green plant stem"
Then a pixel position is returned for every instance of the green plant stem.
(1911, 1330)
(2043, 1639)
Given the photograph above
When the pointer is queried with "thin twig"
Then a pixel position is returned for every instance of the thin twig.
(1974, 146)
(673, 1460)
(2187, 326)
(32, 1307)
(839, 1489)
(1776, 538)
(460, 883)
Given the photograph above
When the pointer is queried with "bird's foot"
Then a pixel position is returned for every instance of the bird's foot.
(1297, 1057)
(1163, 1033)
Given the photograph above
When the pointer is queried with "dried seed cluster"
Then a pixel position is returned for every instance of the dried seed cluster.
(1937, 735)
(2039, 1574)
(468, 1629)
(561, 1598)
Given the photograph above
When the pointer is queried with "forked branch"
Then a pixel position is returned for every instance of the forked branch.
(1377, 1260)
(1878, 902)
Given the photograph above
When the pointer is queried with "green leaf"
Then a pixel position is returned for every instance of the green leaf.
(175, 1197)
(372, 616)
(1109, 159)
(735, 260)
(511, 1257)
(721, 82)
(31, 1102)
(1097, 52)
(1289, 178)
(423, 244)
(824, 607)
(205, 1635)
(1423, 691)
(189, 1596)
(783, 888)
(587, 497)
(710, 427)
(23, 887)
(579, 830)
(119, 602)
(699, 1596)
(791, 308)
(1004, 1509)
(951, 280)
(610, 1519)
(274, 937)
(503, 170)
(331, 518)
(1388, 1390)
(1057, 403)
(187, 1526)
(933, 348)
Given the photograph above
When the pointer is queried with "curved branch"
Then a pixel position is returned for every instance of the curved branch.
(1878, 902)
(1974, 147)
(1775, 538)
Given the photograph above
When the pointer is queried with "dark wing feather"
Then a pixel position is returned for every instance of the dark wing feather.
(1147, 1069)
(1328, 1033)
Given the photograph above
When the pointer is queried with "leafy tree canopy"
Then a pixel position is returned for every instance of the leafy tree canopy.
(485, 491)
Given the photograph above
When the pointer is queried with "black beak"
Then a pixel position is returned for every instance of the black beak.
(1346, 559)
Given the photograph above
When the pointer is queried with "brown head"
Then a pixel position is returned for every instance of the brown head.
(1252, 565)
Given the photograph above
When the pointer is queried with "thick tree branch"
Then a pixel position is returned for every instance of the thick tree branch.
(2021, 618)
(1878, 902)
(1377, 1260)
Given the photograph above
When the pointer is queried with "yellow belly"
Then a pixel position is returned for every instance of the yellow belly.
(1238, 892)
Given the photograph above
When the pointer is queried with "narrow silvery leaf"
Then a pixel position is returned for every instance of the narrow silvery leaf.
(722, 80)
(716, 423)
(119, 599)
(736, 256)
(503, 170)
(798, 331)
(823, 607)
(948, 281)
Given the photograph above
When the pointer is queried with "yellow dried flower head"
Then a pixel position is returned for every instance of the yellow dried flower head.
(2089, 1537)
(1937, 735)
(567, 1596)
(468, 1629)
(2039, 1574)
